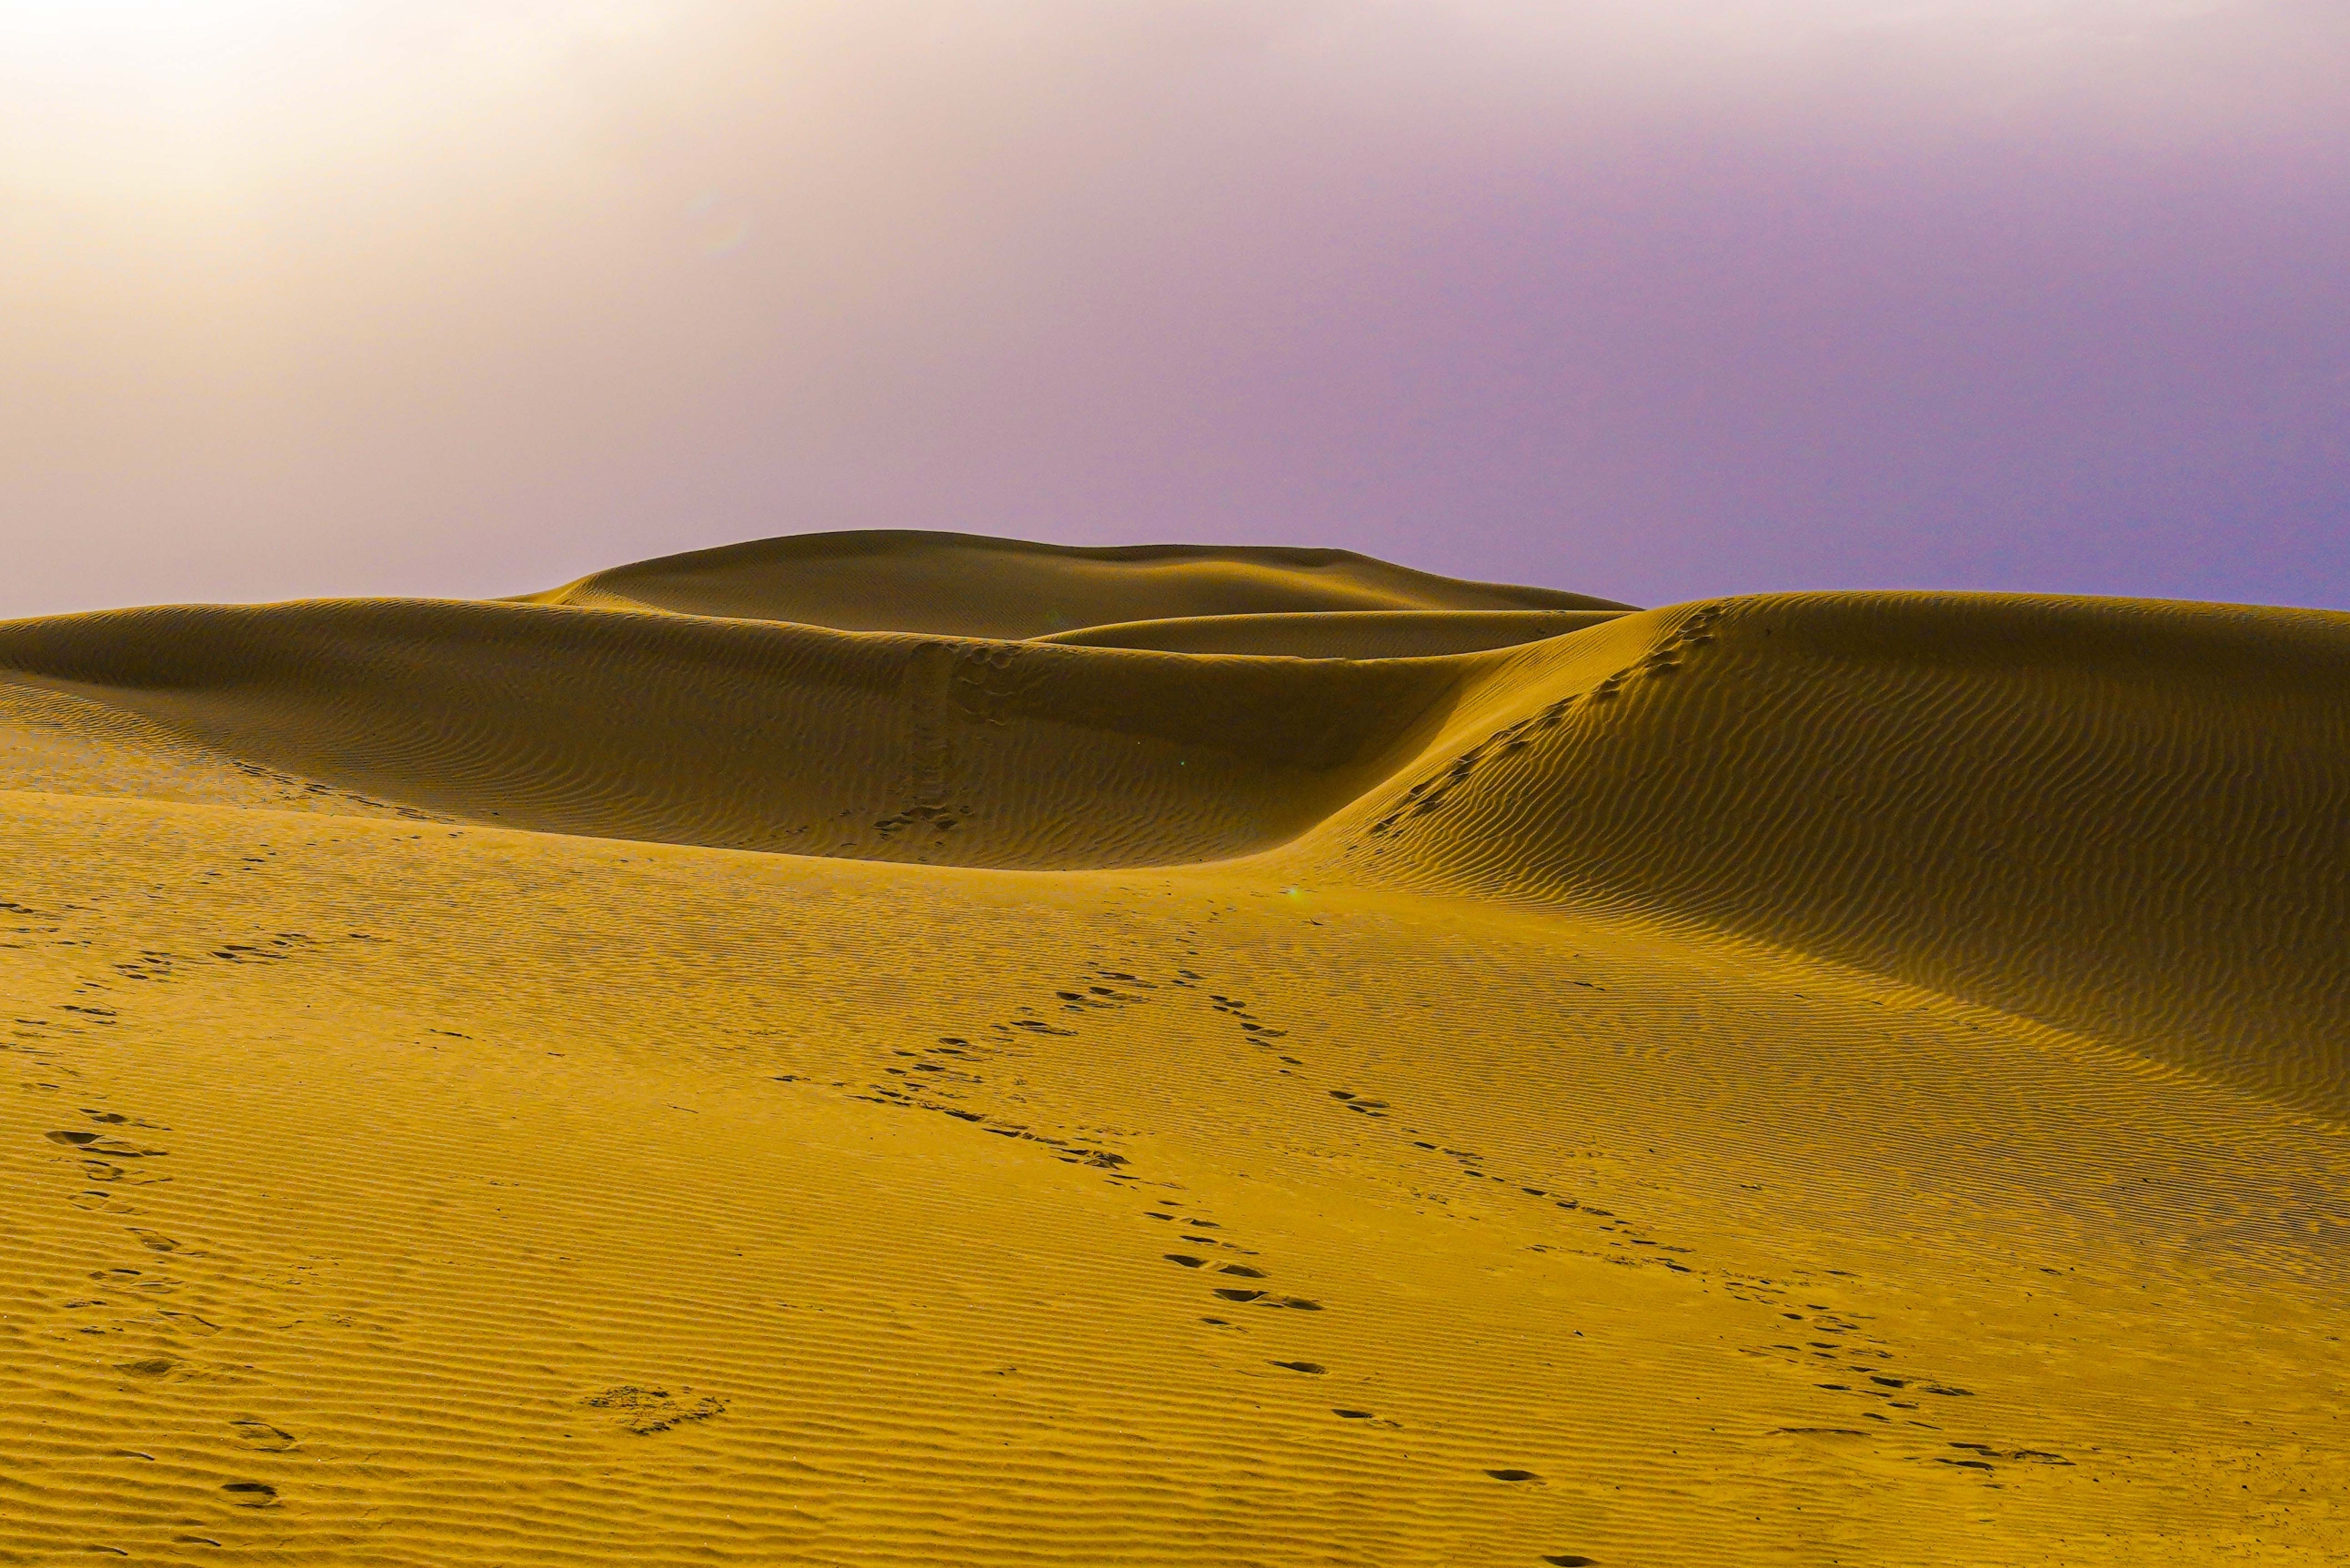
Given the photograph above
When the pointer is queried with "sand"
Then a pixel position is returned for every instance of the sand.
(916, 1049)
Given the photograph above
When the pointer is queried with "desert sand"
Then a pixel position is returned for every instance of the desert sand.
(905, 1048)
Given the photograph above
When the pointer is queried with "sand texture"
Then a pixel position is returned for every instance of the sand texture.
(902, 1048)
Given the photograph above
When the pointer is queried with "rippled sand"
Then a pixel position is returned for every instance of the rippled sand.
(908, 1048)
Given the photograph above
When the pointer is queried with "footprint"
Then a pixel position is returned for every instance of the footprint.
(645, 1411)
(154, 1366)
(1185, 1259)
(1231, 1294)
(260, 1435)
(1311, 1368)
(1571, 1559)
(1242, 1269)
(250, 1494)
(1513, 1475)
(1352, 1415)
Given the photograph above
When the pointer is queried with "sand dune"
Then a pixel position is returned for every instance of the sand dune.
(963, 585)
(2128, 819)
(1346, 1066)
(760, 736)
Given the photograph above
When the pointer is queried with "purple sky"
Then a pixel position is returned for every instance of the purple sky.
(1646, 298)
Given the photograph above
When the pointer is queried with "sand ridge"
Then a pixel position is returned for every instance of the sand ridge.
(1339, 634)
(1793, 1079)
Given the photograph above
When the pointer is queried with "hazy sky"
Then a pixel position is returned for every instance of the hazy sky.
(1647, 298)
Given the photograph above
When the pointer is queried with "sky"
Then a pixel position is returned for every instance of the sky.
(1654, 299)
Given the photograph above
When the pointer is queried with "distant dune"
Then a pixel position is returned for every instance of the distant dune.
(1475, 1074)
(961, 585)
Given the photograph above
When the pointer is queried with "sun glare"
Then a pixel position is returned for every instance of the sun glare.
(160, 33)
(103, 98)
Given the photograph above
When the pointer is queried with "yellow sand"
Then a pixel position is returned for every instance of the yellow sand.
(644, 1074)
